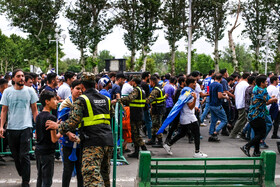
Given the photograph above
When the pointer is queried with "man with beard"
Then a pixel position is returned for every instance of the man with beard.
(19, 102)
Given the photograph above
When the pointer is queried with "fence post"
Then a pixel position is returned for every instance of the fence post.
(144, 172)
(269, 162)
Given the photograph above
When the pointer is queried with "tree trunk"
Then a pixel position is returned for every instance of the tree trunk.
(172, 61)
(216, 58)
(277, 60)
(6, 66)
(132, 61)
(144, 59)
(257, 58)
(82, 60)
(2, 66)
(94, 56)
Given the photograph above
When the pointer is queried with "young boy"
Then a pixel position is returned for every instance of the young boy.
(46, 139)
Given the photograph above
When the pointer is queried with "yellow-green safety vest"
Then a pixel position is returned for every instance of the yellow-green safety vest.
(159, 99)
(139, 103)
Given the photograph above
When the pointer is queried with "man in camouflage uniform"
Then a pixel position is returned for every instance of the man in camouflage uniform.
(157, 101)
(136, 101)
(91, 114)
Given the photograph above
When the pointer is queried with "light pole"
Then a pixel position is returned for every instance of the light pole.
(57, 39)
(190, 37)
(267, 38)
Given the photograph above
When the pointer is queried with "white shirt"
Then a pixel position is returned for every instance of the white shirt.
(272, 91)
(126, 89)
(240, 94)
(64, 91)
(197, 92)
(187, 115)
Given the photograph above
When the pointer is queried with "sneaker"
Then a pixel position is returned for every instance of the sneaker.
(213, 139)
(167, 149)
(245, 150)
(255, 154)
(203, 124)
(264, 146)
(200, 155)
(218, 122)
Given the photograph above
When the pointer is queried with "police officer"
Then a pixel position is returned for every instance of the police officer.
(136, 101)
(91, 114)
(157, 101)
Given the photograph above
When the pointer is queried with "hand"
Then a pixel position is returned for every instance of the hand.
(274, 99)
(197, 109)
(193, 94)
(113, 102)
(1, 132)
(52, 125)
(72, 136)
(166, 95)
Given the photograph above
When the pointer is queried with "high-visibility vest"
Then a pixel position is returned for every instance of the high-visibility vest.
(161, 98)
(99, 117)
(140, 101)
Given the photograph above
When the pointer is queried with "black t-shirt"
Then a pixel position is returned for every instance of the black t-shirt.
(44, 143)
(146, 88)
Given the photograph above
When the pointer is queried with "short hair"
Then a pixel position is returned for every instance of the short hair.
(75, 83)
(270, 73)
(154, 79)
(223, 71)
(230, 78)
(218, 76)
(119, 76)
(181, 79)
(15, 72)
(167, 76)
(145, 74)
(251, 79)
(88, 84)
(173, 80)
(161, 77)
(33, 75)
(129, 78)
(260, 79)
(68, 75)
(3, 81)
(195, 73)
(112, 74)
(27, 77)
(46, 95)
(190, 80)
(137, 80)
(273, 78)
(51, 76)
(245, 75)
(211, 72)
(7, 76)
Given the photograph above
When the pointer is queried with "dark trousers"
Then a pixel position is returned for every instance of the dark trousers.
(259, 127)
(183, 130)
(45, 168)
(276, 124)
(173, 126)
(68, 167)
(19, 143)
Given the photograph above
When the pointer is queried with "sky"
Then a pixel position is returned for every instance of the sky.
(115, 44)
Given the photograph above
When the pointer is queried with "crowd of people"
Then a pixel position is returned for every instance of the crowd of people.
(239, 106)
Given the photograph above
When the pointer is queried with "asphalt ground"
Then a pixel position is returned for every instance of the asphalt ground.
(126, 174)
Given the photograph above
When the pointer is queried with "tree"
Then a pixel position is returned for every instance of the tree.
(215, 25)
(173, 19)
(202, 63)
(102, 56)
(256, 15)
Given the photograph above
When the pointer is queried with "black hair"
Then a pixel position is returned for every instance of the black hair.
(15, 72)
(167, 76)
(112, 74)
(145, 74)
(190, 80)
(218, 76)
(119, 76)
(154, 79)
(7, 76)
(273, 78)
(245, 75)
(181, 79)
(161, 77)
(46, 95)
(88, 84)
(3, 81)
(50, 77)
(75, 83)
(251, 79)
(230, 78)
(137, 80)
(27, 77)
(270, 73)
(173, 80)
(260, 79)
(195, 73)
(33, 75)
(68, 75)
(211, 72)
(223, 71)
(129, 78)
(157, 76)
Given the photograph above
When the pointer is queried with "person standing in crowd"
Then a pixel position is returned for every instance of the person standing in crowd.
(127, 87)
(70, 137)
(64, 91)
(112, 76)
(157, 102)
(46, 140)
(206, 84)
(256, 116)
(3, 86)
(91, 114)
(216, 109)
(240, 105)
(273, 90)
(116, 88)
(105, 84)
(188, 121)
(169, 91)
(19, 102)
(136, 101)
(270, 74)
(28, 81)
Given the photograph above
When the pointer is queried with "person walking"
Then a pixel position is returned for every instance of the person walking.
(19, 102)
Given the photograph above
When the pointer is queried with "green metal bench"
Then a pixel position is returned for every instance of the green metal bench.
(178, 172)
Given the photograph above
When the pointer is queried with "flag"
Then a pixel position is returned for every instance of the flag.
(184, 98)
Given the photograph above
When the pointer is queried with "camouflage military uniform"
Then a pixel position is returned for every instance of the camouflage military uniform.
(136, 119)
(95, 159)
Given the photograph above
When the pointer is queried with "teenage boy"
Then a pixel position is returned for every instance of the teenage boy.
(46, 140)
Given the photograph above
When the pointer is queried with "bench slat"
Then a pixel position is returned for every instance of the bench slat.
(208, 167)
(213, 175)
(207, 159)
(201, 182)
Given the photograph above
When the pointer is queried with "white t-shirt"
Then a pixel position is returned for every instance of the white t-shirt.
(187, 115)
(272, 91)
(240, 94)
(64, 91)
(197, 92)
(126, 89)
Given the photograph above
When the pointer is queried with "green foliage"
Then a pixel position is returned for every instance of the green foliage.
(202, 62)
(102, 56)
(223, 64)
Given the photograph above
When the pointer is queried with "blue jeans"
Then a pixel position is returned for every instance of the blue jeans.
(206, 109)
(148, 123)
(217, 113)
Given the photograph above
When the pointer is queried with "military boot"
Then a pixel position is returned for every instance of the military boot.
(159, 144)
(152, 141)
(135, 154)
(144, 148)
